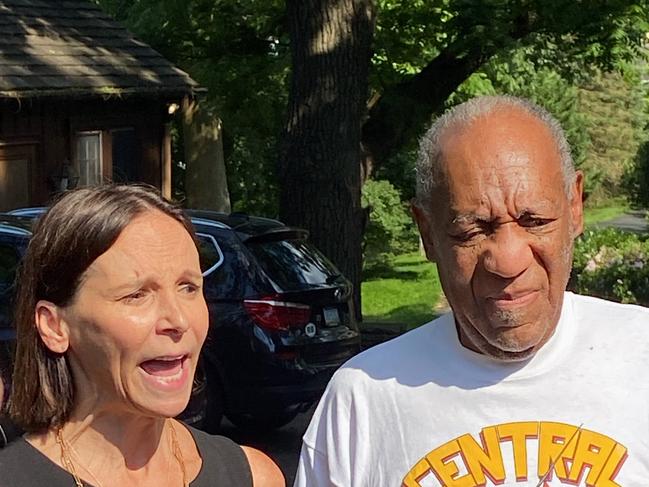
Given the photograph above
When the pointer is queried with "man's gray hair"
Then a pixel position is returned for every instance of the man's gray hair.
(428, 160)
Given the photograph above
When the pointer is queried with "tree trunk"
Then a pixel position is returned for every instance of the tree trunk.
(206, 184)
(320, 148)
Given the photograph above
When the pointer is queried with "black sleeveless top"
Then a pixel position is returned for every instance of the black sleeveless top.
(224, 464)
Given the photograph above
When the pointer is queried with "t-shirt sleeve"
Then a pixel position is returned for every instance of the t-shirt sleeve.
(313, 469)
(332, 446)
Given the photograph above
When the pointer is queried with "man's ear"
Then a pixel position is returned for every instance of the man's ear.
(51, 326)
(576, 205)
(425, 230)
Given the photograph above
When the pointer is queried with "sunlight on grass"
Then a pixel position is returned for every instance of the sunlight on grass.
(596, 215)
(406, 292)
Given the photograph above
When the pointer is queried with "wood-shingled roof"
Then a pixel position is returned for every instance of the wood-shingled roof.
(72, 48)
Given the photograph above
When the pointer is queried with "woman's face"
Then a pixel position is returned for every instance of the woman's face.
(138, 321)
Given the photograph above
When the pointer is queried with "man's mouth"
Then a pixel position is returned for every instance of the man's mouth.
(507, 300)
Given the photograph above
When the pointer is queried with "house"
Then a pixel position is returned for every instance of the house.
(81, 101)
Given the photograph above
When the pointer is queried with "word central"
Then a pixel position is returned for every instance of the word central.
(564, 451)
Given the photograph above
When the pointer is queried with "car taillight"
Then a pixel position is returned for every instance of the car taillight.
(274, 314)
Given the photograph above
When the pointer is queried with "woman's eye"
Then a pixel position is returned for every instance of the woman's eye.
(190, 288)
(136, 296)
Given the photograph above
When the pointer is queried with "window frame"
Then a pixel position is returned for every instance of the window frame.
(77, 162)
(216, 245)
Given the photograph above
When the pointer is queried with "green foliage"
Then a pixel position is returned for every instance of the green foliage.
(407, 292)
(612, 264)
(637, 177)
(400, 171)
(535, 49)
(390, 230)
(238, 51)
(616, 116)
(557, 34)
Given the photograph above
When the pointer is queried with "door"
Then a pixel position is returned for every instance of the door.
(16, 164)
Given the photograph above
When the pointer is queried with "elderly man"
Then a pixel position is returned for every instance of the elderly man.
(522, 383)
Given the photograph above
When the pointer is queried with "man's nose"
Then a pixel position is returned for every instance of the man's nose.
(508, 252)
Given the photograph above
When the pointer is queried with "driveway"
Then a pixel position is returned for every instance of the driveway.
(631, 221)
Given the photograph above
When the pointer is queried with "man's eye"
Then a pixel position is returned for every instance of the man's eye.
(469, 235)
(533, 222)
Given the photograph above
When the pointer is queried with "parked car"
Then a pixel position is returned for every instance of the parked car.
(14, 236)
(281, 319)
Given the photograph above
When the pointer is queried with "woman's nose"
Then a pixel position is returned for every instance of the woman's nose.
(173, 318)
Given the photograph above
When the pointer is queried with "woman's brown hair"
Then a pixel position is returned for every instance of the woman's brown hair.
(78, 228)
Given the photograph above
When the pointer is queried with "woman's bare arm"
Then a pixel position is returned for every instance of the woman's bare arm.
(265, 472)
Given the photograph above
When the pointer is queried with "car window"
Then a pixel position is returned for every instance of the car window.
(9, 259)
(294, 264)
(224, 266)
(210, 254)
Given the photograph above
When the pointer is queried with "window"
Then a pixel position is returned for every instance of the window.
(209, 253)
(88, 158)
(294, 264)
(9, 259)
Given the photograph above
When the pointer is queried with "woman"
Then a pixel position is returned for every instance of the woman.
(110, 321)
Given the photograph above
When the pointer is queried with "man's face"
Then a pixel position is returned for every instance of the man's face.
(501, 229)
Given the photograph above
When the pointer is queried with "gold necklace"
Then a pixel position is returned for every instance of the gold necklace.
(66, 458)
(175, 448)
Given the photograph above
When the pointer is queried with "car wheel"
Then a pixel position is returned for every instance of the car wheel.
(262, 422)
(215, 405)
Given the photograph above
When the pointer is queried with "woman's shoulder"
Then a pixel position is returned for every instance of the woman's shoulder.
(264, 470)
(22, 465)
(223, 461)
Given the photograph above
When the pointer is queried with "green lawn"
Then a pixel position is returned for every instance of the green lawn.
(406, 293)
(596, 215)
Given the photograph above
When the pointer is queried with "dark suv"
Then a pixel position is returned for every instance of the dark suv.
(14, 236)
(280, 319)
(280, 316)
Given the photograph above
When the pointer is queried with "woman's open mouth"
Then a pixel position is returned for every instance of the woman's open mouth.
(167, 373)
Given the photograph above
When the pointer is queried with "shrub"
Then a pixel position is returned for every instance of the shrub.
(637, 177)
(390, 230)
(612, 264)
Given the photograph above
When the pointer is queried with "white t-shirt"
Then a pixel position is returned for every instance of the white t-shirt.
(422, 410)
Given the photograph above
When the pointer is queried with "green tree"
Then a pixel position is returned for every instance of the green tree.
(390, 230)
(617, 119)
(238, 50)
(426, 50)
